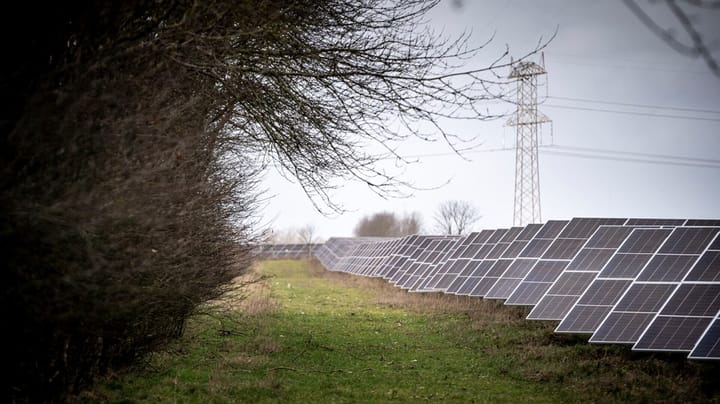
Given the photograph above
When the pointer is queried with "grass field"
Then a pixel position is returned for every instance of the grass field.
(302, 334)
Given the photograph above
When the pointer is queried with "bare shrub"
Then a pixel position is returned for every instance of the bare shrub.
(120, 212)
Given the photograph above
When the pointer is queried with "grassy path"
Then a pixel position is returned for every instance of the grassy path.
(307, 335)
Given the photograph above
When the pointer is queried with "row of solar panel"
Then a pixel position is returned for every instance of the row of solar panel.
(285, 251)
(653, 283)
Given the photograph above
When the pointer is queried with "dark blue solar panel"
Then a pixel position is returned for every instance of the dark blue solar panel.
(688, 240)
(708, 347)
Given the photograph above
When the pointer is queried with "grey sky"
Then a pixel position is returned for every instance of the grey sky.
(602, 52)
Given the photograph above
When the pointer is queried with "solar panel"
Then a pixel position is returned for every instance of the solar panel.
(707, 268)
(536, 247)
(511, 234)
(583, 228)
(672, 334)
(446, 272)
(483, 283)
(563, 249)
(514, 249)
(597, 301)
(605, 292)
(421, 263)
(428, 268)
(687, 240)
(451, 273)
(609, 237)
(536, 283)
(638, 313)
(708, 345)
(529, 290)
(473, 271)
(511, 278)
(286, 251)
(500, 268)
(655, 222)
(644, 241)
(407, 260)
(633, 313)
(593, 255)
(481, 256)
(703, 222)
(496, 236)
(685, 316)
(390, 255)
(667, 268)
(393, 257)
(552, 229)
(528, 232)
(442, 252)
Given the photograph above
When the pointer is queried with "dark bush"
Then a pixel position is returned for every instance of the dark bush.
(120, 214)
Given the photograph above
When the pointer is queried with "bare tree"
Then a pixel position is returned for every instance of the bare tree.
(130, 135)
(311, 84)
(696, 43)
(456, 217)
(307, 236)
(410, 224)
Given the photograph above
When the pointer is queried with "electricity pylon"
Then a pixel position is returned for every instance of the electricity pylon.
(527, 120)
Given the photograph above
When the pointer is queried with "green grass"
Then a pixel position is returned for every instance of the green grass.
(307, 335)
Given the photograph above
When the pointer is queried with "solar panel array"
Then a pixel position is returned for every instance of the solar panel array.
(651, 283)
(285, 251)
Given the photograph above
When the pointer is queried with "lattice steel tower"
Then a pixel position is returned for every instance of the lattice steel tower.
(527, 120)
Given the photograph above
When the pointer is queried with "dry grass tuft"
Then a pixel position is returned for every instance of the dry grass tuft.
(248, 294)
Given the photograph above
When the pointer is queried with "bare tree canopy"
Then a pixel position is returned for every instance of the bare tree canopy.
(307, 234)
(312, 85)
(387, 224)
(456, 217)
(133, 133)
(692, 38)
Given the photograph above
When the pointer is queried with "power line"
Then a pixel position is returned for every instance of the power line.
(693, 118)
(631, 160)
(636, 154)
(709, 111)
(686, 163)
(631, 66)
(560, 149)
(458, 154)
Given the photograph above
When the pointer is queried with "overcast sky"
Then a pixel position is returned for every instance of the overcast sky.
(608, 77)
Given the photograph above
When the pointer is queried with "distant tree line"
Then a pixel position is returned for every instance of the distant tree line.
(453, 217)
(387, 224)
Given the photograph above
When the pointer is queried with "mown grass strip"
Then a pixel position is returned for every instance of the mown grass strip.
(308, 335)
